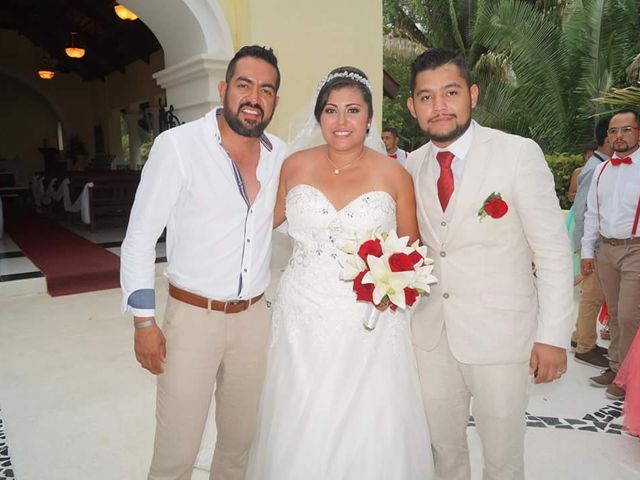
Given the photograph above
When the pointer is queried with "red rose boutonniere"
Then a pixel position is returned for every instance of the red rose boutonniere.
(493, 206)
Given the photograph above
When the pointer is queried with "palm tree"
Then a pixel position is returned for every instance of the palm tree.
(628, 97)
(558, 67)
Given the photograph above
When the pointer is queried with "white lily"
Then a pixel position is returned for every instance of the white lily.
(356, 238)
(351, 267)
(386, 282)
(391, 243)
(422, 250)
(423, 277)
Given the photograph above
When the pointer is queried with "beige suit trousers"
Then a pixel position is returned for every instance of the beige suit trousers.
(619, 271)
(591, 300)
(207, 350)
(500, 397)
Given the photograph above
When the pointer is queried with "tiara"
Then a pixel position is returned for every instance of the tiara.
(344, 74)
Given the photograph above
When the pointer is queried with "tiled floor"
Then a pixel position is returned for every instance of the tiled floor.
(77, 406)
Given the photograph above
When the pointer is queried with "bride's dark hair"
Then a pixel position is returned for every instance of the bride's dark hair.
(342, 77)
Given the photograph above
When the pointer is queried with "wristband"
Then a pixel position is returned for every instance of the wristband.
(145, 324)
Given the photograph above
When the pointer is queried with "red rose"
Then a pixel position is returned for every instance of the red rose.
(370, 247)
(415, 257)
(410, 296)
(496, 208)
(364, 291)
(400, 262)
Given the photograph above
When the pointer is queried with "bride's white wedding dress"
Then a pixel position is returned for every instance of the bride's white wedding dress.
(339, 402)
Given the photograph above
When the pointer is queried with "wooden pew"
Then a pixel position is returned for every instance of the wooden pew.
(110, 198)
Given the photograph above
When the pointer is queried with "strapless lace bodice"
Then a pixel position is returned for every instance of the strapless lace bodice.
(311, 297)
(318, 229)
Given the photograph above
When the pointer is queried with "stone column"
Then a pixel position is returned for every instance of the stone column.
(192, 85)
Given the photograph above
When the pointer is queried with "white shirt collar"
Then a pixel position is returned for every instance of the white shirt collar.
(460, 147)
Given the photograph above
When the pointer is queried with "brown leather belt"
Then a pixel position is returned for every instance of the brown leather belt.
(233, 306)
(614, 242)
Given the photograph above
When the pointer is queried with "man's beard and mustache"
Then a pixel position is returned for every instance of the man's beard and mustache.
(621, 146)
(246, 128)
(449, 136)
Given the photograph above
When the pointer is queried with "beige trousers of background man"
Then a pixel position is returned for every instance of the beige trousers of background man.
(591, 300)
(619, 270)
(500, 396)
(207, 349)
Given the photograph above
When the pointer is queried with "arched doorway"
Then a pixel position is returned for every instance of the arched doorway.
(197, 45)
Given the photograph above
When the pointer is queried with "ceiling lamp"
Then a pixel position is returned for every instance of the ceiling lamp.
(45, 71)
(73, 50)
(124, 13)
(46, 74)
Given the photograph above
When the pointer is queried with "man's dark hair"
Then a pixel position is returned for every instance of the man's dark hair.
(438, 57)
(601, 130)
(391, 130)
(341, 81)
(255, 51)
(628, 110)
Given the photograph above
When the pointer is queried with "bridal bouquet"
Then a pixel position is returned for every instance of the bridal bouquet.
(385, 269)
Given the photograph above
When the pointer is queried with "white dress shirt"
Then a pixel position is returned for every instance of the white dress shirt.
(460, 148)
(218, 246)
(611, 203)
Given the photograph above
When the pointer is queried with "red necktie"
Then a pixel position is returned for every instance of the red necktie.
(619, 161)
(445, 182)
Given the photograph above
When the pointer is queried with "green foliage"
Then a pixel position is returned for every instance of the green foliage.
(395, 113)
(562, 166)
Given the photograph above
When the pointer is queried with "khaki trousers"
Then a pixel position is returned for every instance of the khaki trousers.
(500, 396)
(619, 270)
(207, 349)
(591, 300)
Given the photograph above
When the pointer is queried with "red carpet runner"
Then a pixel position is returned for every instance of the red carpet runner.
(71, 264)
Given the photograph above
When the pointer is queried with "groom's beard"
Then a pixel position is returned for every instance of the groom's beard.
(450, 136)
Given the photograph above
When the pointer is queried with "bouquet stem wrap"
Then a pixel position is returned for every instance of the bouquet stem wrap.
(371, 317)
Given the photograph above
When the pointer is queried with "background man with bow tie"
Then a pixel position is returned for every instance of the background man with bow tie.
(390, 139)
(612, 217)
(486, 208)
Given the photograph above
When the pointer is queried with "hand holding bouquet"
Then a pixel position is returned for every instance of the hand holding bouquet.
(385, 269)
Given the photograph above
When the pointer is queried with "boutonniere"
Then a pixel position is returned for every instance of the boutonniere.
(493, 206)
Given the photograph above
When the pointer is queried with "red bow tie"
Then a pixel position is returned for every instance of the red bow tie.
(393, 155)
(619, 161)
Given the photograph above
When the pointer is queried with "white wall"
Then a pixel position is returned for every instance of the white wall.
(310, 38)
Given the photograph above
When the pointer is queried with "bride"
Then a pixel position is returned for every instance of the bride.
(339, 402)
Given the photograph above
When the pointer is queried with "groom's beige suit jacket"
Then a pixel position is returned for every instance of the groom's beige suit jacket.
(492, 304)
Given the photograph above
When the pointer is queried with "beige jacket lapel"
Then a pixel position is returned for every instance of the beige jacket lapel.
(427, 198)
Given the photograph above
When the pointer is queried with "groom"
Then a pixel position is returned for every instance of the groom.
(487, 209)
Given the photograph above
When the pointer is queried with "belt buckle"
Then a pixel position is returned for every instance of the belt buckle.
(233, 302)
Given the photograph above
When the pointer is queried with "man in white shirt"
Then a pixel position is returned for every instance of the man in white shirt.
(613, 213)
(390, 139)
(212, 183)
(591, 296)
